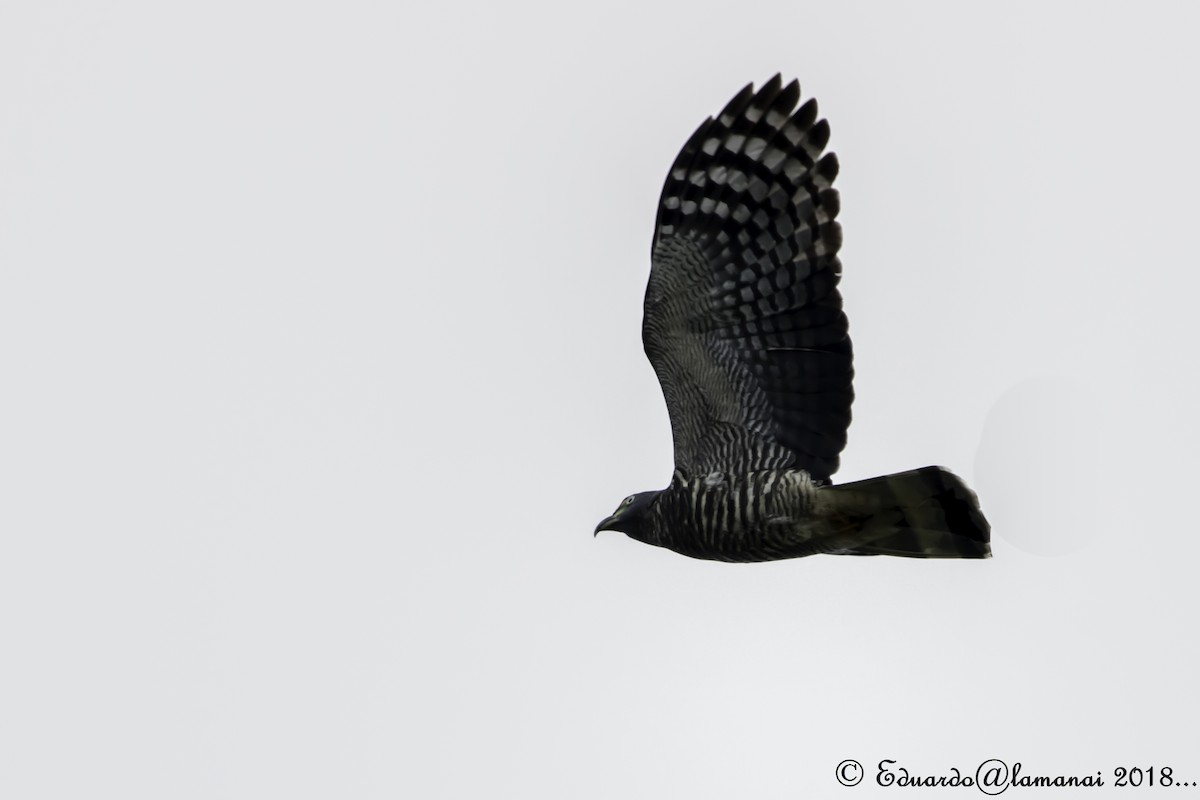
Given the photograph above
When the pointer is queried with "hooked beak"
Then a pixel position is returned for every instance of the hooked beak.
(606, 524)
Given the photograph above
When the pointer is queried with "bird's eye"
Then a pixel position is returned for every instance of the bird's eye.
(629, 500)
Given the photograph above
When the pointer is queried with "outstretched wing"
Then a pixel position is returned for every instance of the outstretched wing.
(743, 320)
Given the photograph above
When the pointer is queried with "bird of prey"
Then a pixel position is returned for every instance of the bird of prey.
(743, 324)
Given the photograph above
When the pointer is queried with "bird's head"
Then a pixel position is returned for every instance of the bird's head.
(633, 517)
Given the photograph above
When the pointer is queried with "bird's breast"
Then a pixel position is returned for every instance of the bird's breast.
(752, 517)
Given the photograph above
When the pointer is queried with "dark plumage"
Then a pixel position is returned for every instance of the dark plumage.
(744, 327)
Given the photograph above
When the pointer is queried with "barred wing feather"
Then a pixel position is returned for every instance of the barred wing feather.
(743, 320)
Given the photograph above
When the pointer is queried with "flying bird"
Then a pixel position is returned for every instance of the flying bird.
(744, 327)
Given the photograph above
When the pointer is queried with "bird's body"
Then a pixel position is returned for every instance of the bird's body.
(756, 516)
(744, 327)
(770, 515)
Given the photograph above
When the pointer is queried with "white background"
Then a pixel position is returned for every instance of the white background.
(320, 360)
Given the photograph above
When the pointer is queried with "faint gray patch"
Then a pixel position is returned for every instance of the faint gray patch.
(1047, 470)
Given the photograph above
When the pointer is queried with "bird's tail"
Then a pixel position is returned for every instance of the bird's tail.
(923, 513)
